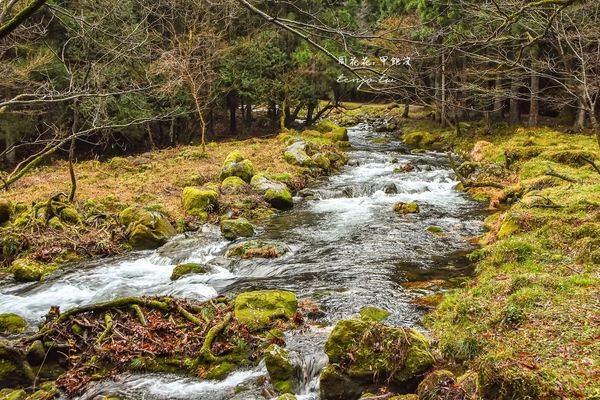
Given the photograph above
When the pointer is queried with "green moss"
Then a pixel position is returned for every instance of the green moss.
(326, 125)
(189, 268)
(27, 270)
(236, 165)
(419, 140)
(406, 208)
(10, 394)
(338, 134)
(55, 223)
(12, 323)
(260, 309)
(149, 231)
(279, 199)
(281, 370)
(235, 228)
(368, 349)
(321, 161)
(509, 226)
(220, 371)
(373, 314)
(287, 396)
(336, 385)
(436, 385)
(70, 215)
(198, 201)
(232, 185)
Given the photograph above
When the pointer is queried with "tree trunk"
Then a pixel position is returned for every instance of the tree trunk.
(248, 113)
(74, 128)
(579, 124)
(514, 115)
(443, 90)
(595, 125)
(534, 105)
(406, 108)
(310, 109)
(11, 154)
(497, 112)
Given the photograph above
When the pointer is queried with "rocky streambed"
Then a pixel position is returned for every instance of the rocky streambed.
(359, 247)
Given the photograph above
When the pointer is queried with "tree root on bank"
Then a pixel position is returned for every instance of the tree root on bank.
(136, 334)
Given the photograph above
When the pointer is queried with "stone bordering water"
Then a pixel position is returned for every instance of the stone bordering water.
(159, 334)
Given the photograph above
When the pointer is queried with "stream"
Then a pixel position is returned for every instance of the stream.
(347, 249)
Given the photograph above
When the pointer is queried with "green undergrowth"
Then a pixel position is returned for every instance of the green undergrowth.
(528, 322)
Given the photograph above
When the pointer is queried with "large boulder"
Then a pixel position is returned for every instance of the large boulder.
(199, 201)
(256, 249)
(235, 228)
(366, 350)
(12, 323)
(260, 309)
(333, 131)
(407, 208)
(281, 370)
(335, 385)
(187, 269)
(236, 164)
(147, 229)
(27, 270)
(5, 210)
(276, 193)
(419, 140)
(320, 160)
(297, 154)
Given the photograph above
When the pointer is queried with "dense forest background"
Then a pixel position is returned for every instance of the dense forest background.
(102, 77)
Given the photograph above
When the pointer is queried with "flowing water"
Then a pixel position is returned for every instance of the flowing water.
(347, 249)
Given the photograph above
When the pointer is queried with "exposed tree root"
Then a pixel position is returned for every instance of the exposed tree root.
(205, 351)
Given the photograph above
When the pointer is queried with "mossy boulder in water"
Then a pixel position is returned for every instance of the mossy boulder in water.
(233, 185)
(5, 210)
(287, 396)
(188, 268)
(368, 349)
(335, 385)
(235, 228)
(10, 394)
(27, 270)
(256, 249)
(199, 201)
(12, 323)
(260, 309)
(276, 193)
(236, 164)
(419, 140)
(281, 370)
(333, 131)
(147, 229)
(407, 208)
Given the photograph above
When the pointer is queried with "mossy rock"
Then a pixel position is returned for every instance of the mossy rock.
(419, 140)
(5, 210)
(260, 309)
(373, 314)
(12, 323)
(367, 349)
(199, 201)
(145, 237)
(256, 249)
(276, 193)
(56, 223)
(233, 185)
(281, 370)
(235, 164)
(335, 385)
(338, 135)
(438, 385)
(235, 228)
(297, 154)
(11, 245)
(407, 208)
(220, 371)
(12, 373)
(320, 160)
(326, 125)
(27, 270)
(70, 215)
(147, 229)
(188, 268)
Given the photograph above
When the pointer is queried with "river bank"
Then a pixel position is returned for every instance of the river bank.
(351, 260)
